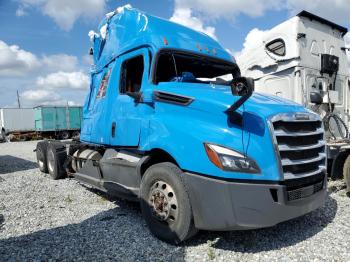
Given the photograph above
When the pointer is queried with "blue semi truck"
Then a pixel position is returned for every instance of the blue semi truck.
(170, 122)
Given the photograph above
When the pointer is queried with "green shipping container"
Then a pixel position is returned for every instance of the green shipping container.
(57, 118)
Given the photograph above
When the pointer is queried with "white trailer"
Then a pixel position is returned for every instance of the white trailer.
(14, 120)
(304, 59)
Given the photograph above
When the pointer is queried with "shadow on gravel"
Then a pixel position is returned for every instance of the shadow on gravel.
(119, 234)
(282, 235)
(10, 164)
(122, 234)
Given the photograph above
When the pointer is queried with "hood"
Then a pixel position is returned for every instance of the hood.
(216, 99)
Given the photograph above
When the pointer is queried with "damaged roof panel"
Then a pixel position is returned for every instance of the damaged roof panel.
(128, 28)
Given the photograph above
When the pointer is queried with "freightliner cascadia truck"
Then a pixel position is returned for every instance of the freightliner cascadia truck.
(304, 59)
(162, 126)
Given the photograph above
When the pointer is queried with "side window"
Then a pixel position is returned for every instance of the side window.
(131, 75)
(277, 47)
(104, 84)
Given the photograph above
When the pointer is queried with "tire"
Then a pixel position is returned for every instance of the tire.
(346, 172)
(64, 135)
(76, 135)
(2, 135)
(71, 150)
(41, 151)
(56, 157)
(171, 222)
(337, 166)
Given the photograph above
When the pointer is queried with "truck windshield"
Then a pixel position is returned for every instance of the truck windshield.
(192, 68)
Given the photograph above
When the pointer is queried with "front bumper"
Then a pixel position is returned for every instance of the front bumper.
(223, 205)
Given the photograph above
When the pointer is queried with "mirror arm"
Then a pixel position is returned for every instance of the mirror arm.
(239, 102)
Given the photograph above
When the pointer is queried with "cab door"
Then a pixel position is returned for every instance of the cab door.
(128, 114)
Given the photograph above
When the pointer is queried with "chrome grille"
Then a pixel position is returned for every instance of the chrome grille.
(300, 144)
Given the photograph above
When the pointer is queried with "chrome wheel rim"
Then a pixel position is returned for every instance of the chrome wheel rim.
(50, 159)
(163, 202)
(41, 163)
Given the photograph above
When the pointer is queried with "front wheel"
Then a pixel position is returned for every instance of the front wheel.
(165, 203)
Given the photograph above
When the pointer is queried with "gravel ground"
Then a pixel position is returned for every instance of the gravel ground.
(42, 219)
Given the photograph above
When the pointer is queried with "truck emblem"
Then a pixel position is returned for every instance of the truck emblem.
(302, 116)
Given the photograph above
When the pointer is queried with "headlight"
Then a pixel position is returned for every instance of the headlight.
(230, 160)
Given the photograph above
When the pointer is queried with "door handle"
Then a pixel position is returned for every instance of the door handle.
(113, 129)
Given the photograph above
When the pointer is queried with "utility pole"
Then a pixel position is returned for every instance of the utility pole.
(19, 103)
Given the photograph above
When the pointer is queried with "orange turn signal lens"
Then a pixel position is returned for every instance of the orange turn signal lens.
(213, 156)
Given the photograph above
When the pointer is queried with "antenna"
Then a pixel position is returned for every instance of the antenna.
(18, 101)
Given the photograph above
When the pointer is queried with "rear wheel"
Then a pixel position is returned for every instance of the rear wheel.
(165, 203)
(2, 135)
(63, 135)
(41, 151)
(337, 166)
(56, 157)
(346, 172)
(76, 135)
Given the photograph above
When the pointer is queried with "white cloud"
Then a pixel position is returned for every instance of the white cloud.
(335, 10)
(35, 97)
(42, 76)
(20, 12)
(60, 62)
(65, 12)
(230, 8)
(194, 13)
(39, 96)
(57, 88)
(87, 60)
(64, 80)
(184, 16)
(15, 61)
(253, 39)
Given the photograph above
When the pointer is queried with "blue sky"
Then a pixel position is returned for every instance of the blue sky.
(43, 46)
(41, 35)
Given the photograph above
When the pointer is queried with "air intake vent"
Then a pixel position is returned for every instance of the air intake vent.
(304, 191)
(172, 98)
